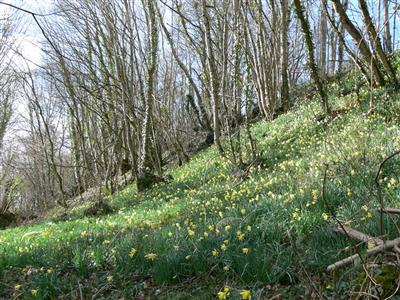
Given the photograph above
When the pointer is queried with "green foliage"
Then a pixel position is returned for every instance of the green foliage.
(208, 230)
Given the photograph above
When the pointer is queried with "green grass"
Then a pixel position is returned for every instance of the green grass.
(278, 214)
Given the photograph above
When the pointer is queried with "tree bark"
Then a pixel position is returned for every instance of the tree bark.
(285, 12)
(315, 73)
(212, 70)
(376, 42)
(387, 36)
(360, 42)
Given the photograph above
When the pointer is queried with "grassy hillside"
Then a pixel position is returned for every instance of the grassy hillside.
(210, 234)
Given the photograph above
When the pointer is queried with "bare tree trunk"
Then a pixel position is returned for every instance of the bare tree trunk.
(323, 41)
(343, 46)
(315, 73)
(387, 35)
(213, 78)
(334, 44)
(376, 42)
(201, 114)
(150, 93)
(342, 42)
(360, 42)
(285, 12)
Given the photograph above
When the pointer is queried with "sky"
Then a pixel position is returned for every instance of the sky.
(29, 37)
(28, 41)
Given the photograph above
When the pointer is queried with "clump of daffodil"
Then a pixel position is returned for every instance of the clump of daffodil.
(240, 235)
(222, 295)
(110, 279)
(392, 183)
(246, 294)
(325, 216)
(214, 252)
(132, 252)
(245, 250)
(151, 256)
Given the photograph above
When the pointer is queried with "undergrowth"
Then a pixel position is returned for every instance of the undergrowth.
(208, 232)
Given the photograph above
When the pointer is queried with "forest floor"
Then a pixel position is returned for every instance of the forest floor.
(210, 234)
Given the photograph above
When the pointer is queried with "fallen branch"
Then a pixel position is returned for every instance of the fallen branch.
(377, 176)
(358, 235)
(389, 210)
(370, 252)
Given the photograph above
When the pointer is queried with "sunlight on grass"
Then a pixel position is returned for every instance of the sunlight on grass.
(206, 226)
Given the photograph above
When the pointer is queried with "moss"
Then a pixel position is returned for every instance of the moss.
(6, 219)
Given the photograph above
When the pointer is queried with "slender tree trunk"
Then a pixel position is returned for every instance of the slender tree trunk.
(323, 41)
(342, 42)
(315, 73)
(212, 69)
(343, 46)
(201, 113)
(376, 42)
(285, 12)
(145, 154)
(387, 36)
(360, 42)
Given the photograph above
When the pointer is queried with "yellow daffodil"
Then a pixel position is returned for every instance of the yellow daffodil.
(133, 252)
(245, 294)
(370, 244)
(151, 256)
(365, 208)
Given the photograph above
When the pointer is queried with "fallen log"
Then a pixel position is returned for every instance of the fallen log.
(387, 245)
(357, 235)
